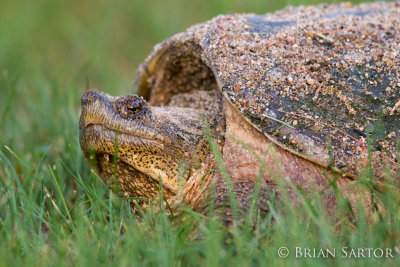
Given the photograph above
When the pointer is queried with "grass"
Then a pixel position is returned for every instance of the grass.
(55, 212)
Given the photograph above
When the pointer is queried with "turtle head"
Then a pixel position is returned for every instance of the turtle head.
(129, 142)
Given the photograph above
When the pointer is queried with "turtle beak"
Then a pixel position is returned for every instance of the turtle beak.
(90, 101)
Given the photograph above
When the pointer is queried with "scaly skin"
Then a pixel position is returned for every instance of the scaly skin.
(132, 145)
(125, 138)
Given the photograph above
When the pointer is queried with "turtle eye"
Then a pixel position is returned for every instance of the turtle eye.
(135, 107)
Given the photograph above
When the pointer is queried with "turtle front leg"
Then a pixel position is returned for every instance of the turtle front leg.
(206, 190)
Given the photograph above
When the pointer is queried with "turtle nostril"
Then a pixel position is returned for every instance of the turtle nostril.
(90, 96)
(86, 97)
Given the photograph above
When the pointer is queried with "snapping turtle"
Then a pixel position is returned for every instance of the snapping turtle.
(295, 97)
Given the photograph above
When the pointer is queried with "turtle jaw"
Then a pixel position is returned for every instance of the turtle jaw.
(157, 142)
(106, 135)
(103, 129)
(110, 155)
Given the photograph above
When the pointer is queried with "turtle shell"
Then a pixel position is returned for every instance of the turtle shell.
(319, 81)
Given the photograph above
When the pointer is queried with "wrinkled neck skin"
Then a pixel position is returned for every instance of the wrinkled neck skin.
(139, 145)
